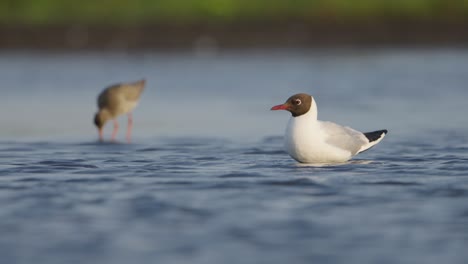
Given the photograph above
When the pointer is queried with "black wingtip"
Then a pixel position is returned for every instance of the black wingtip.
(375, 135)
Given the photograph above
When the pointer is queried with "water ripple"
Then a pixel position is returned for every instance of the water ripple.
(180, 197)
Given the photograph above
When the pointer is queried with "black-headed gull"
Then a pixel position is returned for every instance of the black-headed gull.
(309, 140)
(116, 100)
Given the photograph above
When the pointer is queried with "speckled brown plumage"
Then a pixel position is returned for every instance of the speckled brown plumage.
(116, 100)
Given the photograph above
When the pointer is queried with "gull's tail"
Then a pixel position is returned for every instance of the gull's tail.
(374, 138)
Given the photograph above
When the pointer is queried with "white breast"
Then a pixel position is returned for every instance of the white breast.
(306, 142)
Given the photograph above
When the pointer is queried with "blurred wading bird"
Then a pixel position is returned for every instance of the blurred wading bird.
(309, 140)
(116, 100)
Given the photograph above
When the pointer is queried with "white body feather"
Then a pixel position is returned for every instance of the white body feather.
(309, 140)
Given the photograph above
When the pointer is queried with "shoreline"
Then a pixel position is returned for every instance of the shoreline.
(232, 36)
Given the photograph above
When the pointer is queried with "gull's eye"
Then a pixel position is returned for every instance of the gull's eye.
(297, 102)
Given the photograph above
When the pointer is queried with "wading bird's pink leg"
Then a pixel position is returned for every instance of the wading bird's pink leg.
(114, 132)
(129, 127)
(101, 136)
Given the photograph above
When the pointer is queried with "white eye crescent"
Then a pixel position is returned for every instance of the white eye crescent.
(298, 102)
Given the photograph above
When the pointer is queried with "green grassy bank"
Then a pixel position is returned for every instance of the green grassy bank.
(140, 12)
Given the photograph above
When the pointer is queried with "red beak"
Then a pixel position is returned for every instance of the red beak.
(280, 107)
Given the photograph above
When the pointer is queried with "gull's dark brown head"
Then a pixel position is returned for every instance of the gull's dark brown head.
(297, 104)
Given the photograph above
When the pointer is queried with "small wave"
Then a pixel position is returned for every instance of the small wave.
(31, 169)
(141, 161)
(464, 213)
(207, 159)
(18, 149)
(176, 183)
(147, 206)
(90, 180)
(273, 139)
(392, 183)
(66, 164)
(445, 192)
(240, 174)
(456, 161)
(258, 151)
(29, 179)
(150, 149)
(294, 182)
(12, 188)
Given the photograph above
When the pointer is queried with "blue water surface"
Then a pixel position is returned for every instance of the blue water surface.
(206, 179)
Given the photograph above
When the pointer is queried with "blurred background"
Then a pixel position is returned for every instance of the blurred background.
(126, 24)
(227, 61)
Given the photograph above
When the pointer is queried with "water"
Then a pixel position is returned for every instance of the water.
(206, 180)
